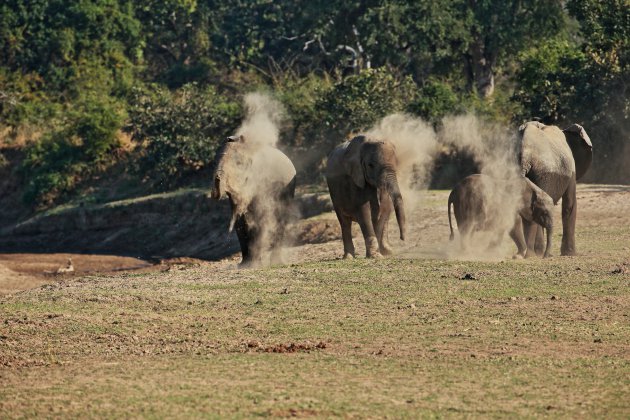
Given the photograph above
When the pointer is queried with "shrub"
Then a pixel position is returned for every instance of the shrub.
(62, 157)
(182, 129)
(359, 101)
(434, 101)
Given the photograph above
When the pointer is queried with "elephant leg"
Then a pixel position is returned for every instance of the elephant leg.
(516, 233)
(465, 231)
(539, 244)
(569, 217)
(277, 241)
(529, 229)
(495, 242)
(281, 214)
(242, 232)
(346, 234)
(369, 235)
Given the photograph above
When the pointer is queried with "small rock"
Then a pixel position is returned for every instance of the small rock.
(468, 276)
(597, 340)
(553, 298)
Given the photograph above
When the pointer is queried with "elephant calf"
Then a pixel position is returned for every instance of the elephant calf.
(479, 203)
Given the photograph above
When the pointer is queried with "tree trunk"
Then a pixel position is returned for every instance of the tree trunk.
(481, 68)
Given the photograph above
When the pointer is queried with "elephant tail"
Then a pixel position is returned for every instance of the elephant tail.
(450, 223)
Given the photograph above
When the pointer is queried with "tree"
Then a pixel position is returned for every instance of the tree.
(499, 29)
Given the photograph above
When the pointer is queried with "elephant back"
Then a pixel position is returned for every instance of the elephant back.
(273, 165)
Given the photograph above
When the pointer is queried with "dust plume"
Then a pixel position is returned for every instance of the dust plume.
(492, 147)
(416, 144)
(263, 117)
(269, 171)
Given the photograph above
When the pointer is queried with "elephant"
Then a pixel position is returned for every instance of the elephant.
(259, 180)
(479, 202)
(555, 159)
(362, 180)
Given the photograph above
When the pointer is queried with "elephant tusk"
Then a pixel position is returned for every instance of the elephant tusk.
(232, 222)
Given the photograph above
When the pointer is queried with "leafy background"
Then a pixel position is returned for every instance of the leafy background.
(142, 91)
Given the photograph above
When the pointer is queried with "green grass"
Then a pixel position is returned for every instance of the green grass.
(401, 338)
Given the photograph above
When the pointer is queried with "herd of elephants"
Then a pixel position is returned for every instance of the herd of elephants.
(362, 176)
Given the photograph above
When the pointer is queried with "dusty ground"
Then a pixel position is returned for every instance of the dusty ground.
(411, 336)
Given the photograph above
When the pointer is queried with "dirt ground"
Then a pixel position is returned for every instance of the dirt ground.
(427, 333)
(598, 205)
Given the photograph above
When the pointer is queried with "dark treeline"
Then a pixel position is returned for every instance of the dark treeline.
(86, 85)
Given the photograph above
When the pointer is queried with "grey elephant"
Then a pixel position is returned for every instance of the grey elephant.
(554, 160)
(480, 202)
(259, 181)
(362, 180)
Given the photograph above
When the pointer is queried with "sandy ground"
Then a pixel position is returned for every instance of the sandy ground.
(598, 206)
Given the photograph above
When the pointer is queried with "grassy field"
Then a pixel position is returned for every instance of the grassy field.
(406, 337)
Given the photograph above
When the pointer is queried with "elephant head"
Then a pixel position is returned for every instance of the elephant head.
(232, 164)
(374, 163)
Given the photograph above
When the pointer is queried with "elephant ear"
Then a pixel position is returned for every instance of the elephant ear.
(581, 147)
(352, 161)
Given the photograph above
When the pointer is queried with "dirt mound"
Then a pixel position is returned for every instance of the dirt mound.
(12, 281)
(180, 224)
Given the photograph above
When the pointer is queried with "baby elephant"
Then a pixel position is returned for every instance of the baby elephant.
(480, 203)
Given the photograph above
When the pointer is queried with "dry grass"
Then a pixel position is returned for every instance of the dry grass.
(401, 337)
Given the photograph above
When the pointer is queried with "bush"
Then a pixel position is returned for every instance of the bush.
(57, 162)
(359, 101)
(434, 101)
(300, 98)
(548, 78)
(181, 130)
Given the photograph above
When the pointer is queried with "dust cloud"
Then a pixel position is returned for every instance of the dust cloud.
(416, 145)
(269, 171)
(263, 118)
(493, 148)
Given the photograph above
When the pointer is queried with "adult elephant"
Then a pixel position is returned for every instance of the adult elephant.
(555, 159)
(362, 180)
(259, 181)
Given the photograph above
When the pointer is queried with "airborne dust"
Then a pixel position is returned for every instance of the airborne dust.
(492, 147)
(268, 170)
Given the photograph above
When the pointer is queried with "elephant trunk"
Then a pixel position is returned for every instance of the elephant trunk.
(549, 231)
(397, 200)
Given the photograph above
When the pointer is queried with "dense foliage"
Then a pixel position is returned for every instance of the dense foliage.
(173, 72)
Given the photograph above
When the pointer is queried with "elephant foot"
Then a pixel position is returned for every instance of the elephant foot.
(277, 258)
(568, 252)
(517, 257)
(348, 256)
(386, 250)
(250, 263)
(374, 255)
(547, 255)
